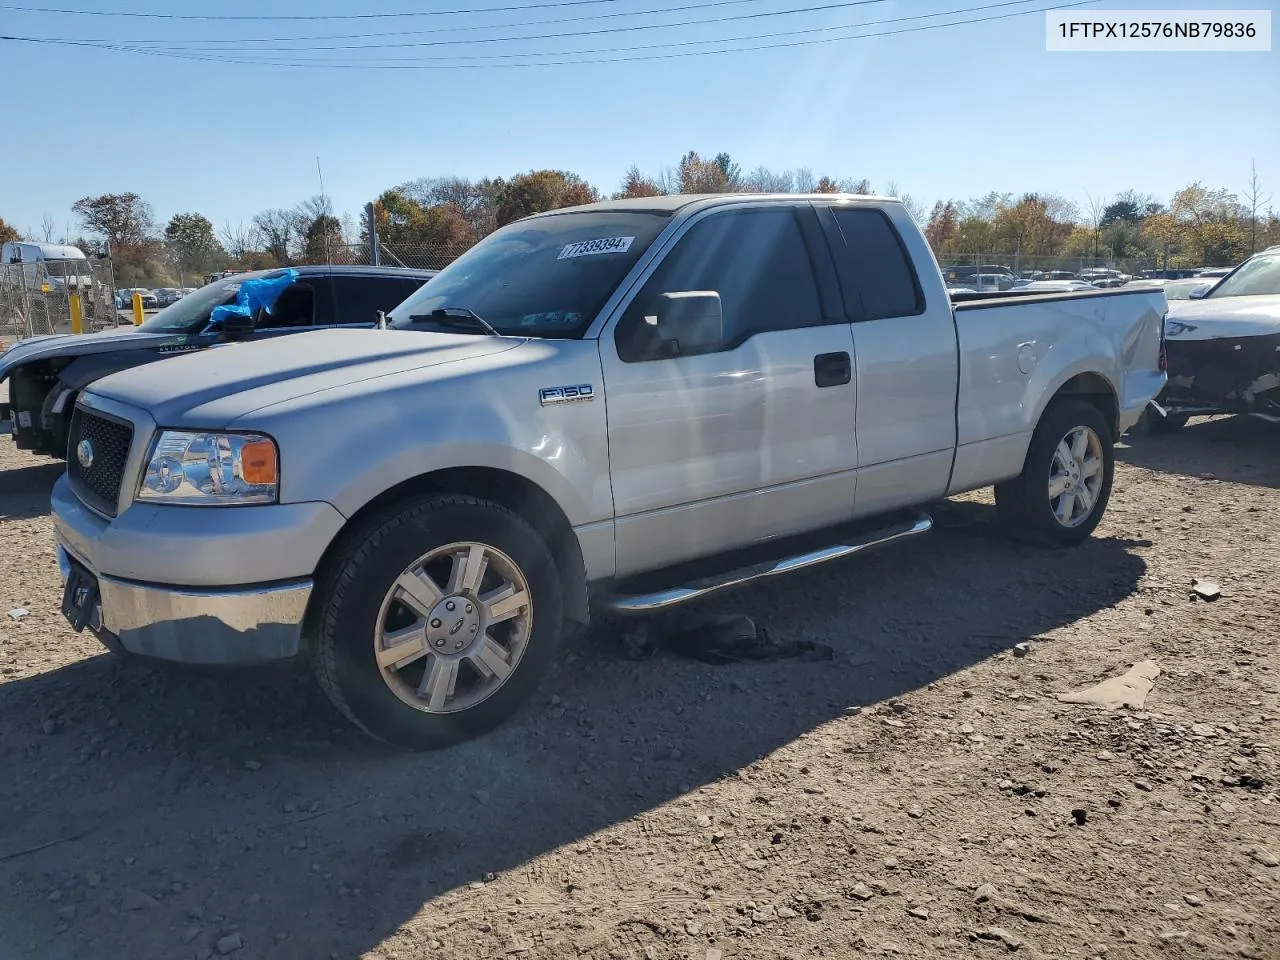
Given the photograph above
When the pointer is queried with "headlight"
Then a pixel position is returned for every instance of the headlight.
(209, 469)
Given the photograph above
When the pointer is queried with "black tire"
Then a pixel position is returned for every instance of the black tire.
(355, 581)
(1023, 503)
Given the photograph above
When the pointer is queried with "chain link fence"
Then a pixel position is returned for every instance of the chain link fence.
(425, 256)
(35, 298)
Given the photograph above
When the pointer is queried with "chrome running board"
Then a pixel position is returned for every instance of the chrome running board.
(661, 600)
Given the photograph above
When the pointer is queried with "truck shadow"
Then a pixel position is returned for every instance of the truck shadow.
(24, 491)
(244, 797)
(1237, 450)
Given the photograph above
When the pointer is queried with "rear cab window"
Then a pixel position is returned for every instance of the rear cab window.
(875, 270)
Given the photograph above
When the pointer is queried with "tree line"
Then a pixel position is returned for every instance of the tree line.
(428, 221)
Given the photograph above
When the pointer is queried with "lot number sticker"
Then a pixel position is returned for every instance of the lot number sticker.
(587, 248)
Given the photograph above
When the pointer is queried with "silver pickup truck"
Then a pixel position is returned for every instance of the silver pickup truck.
(618, 407)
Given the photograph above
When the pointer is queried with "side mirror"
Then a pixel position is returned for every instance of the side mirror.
(236, 326)
(690, 322)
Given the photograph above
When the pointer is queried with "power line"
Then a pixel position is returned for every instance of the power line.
(758, 15)
(467, 29)
(312, 17)
(656, 46)
(382, 65)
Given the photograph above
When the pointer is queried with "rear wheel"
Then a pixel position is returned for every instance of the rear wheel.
(1065, 483)
(440, 619)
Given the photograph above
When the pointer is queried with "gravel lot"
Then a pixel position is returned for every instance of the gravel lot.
(924, 794)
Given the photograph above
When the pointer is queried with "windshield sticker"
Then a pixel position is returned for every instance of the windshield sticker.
(588, 248)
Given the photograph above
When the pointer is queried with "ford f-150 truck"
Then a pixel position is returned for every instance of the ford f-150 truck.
(618, 407)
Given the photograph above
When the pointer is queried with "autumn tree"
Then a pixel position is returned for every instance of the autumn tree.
(701, 176)
(732, 172)
(541, 190)
(7, 232)
(417, 235)
(122, 219)
(636, 184)
(825, 185)
(944, 220)
(192, 246)
(476, 200)
(1211, 223)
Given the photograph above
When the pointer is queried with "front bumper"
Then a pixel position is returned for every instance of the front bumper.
(198, 585)
(230, 626)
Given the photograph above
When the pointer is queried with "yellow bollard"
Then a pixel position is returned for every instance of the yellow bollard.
(137, 309)
(77, 316)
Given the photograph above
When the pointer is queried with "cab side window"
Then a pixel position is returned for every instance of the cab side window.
(294, 308)
(756, 260)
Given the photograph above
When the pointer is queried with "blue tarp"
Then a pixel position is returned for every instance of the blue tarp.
(262, 292)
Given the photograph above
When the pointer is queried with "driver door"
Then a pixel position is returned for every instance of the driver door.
(749, 439)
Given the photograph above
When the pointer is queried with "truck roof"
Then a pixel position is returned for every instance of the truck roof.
(672, 203)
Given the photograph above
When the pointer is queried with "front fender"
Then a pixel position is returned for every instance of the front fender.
(347, 453)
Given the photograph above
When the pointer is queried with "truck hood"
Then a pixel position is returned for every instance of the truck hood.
(212, 388)
(82, 344)
(1217, 317)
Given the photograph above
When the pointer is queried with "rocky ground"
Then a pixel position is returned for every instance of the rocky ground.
(925, 794)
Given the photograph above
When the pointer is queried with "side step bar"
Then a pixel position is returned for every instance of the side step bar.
(662, 600)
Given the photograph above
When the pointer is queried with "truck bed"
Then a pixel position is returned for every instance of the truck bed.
(1105, 344)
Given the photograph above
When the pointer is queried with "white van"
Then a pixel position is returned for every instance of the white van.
(59, 264)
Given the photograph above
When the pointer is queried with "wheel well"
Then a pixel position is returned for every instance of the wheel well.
(1093, 388)
(519, 495)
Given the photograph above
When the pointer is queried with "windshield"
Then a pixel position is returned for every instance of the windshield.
(1257, 276)
(191, 313)
(545, 277)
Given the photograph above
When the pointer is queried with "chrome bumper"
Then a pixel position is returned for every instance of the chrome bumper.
(196, 625)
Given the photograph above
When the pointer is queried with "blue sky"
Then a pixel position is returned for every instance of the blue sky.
(945, 113)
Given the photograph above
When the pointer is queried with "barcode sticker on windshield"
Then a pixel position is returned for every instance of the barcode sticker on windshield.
(587, 248)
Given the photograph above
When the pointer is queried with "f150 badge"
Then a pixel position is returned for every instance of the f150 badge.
(581, 391)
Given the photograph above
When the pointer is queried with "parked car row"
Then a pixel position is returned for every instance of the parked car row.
(561, 421)
(46, 374)
(151, 299)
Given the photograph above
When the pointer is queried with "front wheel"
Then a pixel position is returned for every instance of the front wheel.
(1065, 483)
(439, 620)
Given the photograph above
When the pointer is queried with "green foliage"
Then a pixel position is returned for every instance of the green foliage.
(192, 246)
(122, 219)
(539, 191)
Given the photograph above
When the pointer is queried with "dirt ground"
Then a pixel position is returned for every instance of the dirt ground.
(924, 794)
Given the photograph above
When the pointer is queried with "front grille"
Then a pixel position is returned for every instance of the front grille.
(108, 440)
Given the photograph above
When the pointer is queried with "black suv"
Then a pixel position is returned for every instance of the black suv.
(46, 374)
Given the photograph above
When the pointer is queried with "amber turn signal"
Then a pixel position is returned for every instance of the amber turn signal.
(258, 462)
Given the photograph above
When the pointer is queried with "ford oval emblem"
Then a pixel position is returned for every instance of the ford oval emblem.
(84, 454)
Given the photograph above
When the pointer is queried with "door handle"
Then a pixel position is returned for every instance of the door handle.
(832, 369)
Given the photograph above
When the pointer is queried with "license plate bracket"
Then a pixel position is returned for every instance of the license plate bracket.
(79, 597)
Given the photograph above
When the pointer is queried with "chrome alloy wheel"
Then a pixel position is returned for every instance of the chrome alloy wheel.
(1076, 476)
(453, 626)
